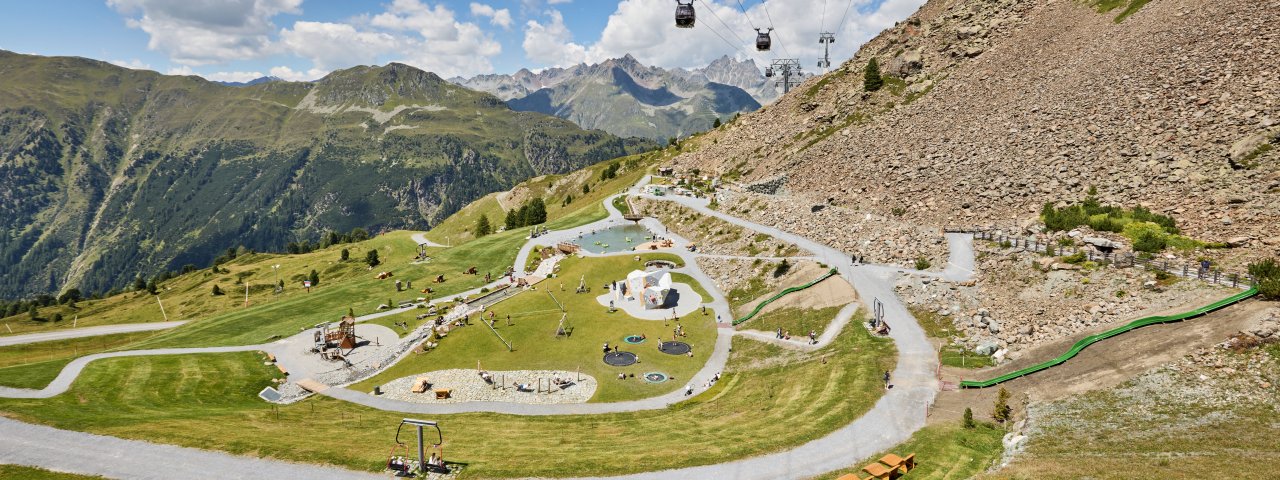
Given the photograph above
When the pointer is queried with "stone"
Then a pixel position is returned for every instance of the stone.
(993, 326)
(987, 347)
(1236, 242)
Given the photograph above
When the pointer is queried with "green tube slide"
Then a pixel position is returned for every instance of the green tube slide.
(1090, 340)
(781, 294)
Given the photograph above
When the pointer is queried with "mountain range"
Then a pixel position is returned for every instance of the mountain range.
(627, 98)
(108, 173)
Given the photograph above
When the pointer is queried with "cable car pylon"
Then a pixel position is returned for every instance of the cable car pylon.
(826, 39)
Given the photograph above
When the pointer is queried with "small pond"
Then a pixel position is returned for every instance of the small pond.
(614, 239)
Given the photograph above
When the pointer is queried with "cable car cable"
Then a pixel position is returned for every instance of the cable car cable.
(765, 5)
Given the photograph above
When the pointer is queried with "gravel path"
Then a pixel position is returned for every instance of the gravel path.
(85, 332)
(898, 414)
(89, 454)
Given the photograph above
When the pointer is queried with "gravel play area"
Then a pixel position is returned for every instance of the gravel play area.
(467, 386)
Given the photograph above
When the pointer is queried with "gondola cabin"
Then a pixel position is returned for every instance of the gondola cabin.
(684, 14)
(763, 42)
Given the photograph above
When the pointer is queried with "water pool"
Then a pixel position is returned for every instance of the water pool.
(614, 239)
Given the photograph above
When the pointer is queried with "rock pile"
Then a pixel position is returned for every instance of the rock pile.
(1004, 105)
(715, 236)
(1015, 304)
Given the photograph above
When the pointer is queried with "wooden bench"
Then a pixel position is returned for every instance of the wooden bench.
(420, 385)
(282, 370)
(880, 472)
(443, 393)
(271, 357)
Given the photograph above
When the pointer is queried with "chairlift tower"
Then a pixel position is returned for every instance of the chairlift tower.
(826, 39)
(784, 69)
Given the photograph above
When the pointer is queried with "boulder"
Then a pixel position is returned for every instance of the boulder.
(1235, 242)
(987, 347)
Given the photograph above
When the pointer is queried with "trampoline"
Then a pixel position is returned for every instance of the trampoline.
(674, 348)
(633, 339)
(620, 359)
(655, 377)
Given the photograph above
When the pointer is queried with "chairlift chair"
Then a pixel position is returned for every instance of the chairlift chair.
(684, 14)
(768, 71)
(763, 42)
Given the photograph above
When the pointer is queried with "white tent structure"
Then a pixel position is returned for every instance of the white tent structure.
(652, 287)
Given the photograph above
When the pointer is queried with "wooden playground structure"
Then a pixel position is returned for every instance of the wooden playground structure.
(889, 467)
(330, 340)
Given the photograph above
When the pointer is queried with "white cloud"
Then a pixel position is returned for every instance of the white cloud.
(233, 76)
(134, 64)
(337, 45)
(290, 74)
(646, 29)
(557, 2)
(499, 17)
(434, 40)
(552, 43)
(180, 70)
(205, 32)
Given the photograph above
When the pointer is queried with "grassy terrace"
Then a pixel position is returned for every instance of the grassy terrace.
(769, 399)
(535, 317)
(34, 365)
(798, 321)
(944, 452)
(28, 473)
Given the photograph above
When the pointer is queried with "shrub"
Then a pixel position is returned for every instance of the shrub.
(782, 268)
(482, 226)
(922, 263)
(1267, 274)
(1146, 236)
(1049, 251)
(315, 278)
(1076, 259)
(968, 418)
(346, 254)
(1002, 412)
(372, 258)
(57, 317)
(872, 80)
(217, 290)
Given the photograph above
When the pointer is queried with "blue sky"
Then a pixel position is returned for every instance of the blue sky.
(305, 39)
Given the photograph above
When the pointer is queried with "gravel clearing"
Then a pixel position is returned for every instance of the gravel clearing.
(467, 386)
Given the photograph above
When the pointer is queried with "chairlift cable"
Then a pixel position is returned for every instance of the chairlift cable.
(842, 17)
(744, 13)
(823, 24)
(765, 5)
(727, 27)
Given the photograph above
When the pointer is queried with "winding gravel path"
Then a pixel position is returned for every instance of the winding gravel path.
(898, 414)
(85, 332)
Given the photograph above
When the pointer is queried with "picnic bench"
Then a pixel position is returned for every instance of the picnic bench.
(282, 370)
(443, 393)
(420, 385)
(889, 467)
(271, 357)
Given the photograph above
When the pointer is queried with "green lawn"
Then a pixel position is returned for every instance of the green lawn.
(535, 318)
(798, 321)
(34, 365)
(944, 452)
(362, 293)
(28, 473)
(769, 400)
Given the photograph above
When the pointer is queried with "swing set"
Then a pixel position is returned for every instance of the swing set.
(403, 466)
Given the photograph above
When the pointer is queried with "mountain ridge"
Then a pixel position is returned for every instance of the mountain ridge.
(108, 172)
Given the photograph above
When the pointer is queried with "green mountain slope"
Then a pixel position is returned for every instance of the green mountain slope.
(107, 173)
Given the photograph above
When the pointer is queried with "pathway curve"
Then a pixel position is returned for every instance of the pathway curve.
(85, 332)
(89, 454)
(421, 238)
(898, 414)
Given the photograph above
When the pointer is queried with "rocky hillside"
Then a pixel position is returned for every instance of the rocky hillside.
(991, 108)
(107, 173)
(624, 97)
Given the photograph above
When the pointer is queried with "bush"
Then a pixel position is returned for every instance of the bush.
(315, 278)
(217, 290)
(1267, 274)
(1002, 412)
(968, 418)
(1146, 236)
(346, 254)
(482, 226)
(1076, 259)
(781, 269)
(871, 79)
(371, 258)
(922, 263)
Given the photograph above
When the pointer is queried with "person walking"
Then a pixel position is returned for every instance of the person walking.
(886, 379)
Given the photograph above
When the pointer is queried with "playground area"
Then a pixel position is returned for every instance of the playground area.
(552, 328)
(513, 386)
(649, 295)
